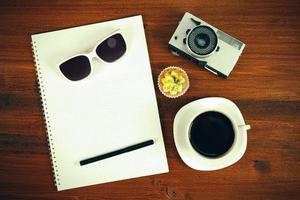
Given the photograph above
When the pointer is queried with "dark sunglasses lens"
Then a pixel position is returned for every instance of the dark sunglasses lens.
(112, 48)
(76, 68)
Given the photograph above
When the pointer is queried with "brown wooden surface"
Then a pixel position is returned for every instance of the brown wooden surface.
(265, 84)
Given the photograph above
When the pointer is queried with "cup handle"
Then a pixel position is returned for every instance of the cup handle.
(245, 127)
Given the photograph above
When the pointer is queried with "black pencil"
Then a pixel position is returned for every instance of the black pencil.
(117, 152)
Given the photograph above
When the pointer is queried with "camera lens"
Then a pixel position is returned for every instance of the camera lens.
(202, 40)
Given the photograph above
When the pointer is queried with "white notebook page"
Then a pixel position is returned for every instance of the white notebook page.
(114, 107)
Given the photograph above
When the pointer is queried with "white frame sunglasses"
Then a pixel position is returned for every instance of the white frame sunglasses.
(77, 71)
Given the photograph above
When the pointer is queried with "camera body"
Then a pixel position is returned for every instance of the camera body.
(206, 45)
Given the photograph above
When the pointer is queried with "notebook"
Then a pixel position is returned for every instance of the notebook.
(114, 107)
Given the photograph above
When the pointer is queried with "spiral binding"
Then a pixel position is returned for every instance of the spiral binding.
(46, 114)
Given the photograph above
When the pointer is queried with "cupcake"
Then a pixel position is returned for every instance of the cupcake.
(173, 82)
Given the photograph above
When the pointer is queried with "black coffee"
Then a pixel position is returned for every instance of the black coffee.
(211, 134)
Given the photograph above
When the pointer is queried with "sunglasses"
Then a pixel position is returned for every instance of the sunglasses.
(110, 49)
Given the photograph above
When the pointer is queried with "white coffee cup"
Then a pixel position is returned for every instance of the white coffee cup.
(182, 125)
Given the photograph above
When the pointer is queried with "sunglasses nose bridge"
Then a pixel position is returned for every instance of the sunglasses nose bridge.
(92, 54)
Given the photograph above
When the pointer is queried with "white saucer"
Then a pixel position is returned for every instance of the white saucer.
(181, 127)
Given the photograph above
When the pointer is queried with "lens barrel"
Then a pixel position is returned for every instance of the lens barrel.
(202, 41)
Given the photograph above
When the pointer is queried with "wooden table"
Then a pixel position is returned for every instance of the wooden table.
(265, 84)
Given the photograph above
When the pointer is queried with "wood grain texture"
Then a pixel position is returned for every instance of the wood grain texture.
(265, 84)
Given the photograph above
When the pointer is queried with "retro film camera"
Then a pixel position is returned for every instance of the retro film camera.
(206, 45)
